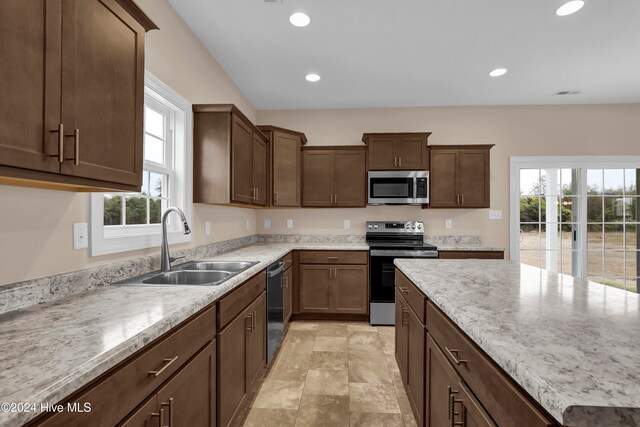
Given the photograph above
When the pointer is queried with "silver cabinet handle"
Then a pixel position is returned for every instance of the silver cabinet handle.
(399, 162)
(60, 154)
(462, 199)
(336, 198)
(76, 147)
(453, 355)
(167, 363)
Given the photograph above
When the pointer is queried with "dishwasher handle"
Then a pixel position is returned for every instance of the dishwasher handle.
(278, 270)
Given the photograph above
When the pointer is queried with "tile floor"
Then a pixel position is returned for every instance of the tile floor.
(333, 374)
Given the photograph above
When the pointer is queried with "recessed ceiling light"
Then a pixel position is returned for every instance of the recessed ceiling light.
(313, 77)
(570, 7)
(498, 72)
(300, 19)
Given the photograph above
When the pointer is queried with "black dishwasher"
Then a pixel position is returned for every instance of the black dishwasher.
(275, 307)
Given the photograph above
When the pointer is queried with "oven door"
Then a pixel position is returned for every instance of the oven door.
(382, 271)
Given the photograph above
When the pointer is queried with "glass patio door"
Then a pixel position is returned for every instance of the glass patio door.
(583, 222)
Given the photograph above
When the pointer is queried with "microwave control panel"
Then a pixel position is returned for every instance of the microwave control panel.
(422, 188)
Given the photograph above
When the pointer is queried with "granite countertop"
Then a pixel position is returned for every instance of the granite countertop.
(573, 345)
(51, 350)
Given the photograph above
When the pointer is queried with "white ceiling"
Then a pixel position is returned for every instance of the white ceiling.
(393, 53)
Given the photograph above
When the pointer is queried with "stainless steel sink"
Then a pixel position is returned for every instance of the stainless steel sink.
(198, 273)
(230, 266)
(210, 278)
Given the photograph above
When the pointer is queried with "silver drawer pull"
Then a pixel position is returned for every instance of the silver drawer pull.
(167, 363)
(453, 354)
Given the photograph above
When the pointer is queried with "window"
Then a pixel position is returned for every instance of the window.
(128, 221)
(578, 216)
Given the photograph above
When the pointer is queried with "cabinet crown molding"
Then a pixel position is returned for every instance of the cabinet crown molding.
(366, 136)
(270, 128)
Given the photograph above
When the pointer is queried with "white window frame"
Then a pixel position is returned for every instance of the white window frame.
(556, 162)
(118, 239)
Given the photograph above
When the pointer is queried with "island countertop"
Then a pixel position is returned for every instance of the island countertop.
(573, 345)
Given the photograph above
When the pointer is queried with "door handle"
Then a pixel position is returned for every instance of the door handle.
(60, 154)
(462, 199)
(76, 147)
(399, 162)
(167, 363)
(336, 198)
(257, 193)
(275, 197)
(395, 162)
(255, 315)
(250, 317)
(453, 355)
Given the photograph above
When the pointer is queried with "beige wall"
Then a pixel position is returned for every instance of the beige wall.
(515, 131)
(36, 225)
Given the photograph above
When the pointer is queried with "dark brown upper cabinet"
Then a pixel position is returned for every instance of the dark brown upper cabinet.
(397, 151)
(229, 157)
(459, 176)
(334, 176)
(285, 166)
(73, 94)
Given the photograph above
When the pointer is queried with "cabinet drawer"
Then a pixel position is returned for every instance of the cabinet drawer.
(506, 404)
(230, 306)
(114, 396)
(334, 257)
(414, 296)
(288, 260)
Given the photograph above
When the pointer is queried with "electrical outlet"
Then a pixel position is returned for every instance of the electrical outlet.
(289, 223)
(207, 227)
(495, 214)
(267, 224)
(80, 235)
(347, 224)
(248, 224)
(448, 224)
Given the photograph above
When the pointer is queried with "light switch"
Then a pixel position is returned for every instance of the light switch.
(248, 224)
(207, 227)
(80, 235)
(289, 223)
(448, 224)
(267, 223)
(495, 214)
(347, 224)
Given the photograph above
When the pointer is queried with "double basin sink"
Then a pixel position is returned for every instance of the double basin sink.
(202, 273)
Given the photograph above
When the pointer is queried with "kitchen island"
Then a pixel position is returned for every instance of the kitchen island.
(572, 345)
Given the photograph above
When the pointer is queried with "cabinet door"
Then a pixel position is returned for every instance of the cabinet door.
(315, 288)
(470, 412)
(30, 83)
(474, 178)
(286, 169)
(232, 351)
(415, 364)
(444, 178)
(256, 340)
(350, 178)
(442, 388)
(241, 162)
(318, 178)
(351, 289)
(382, 154)
(402, 336)
(412, 153)
(189, 398)
(259, 170)
(102, 91)
(288, 297)
(147, 416)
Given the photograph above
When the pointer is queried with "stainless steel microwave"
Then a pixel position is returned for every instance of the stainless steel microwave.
(398, 188)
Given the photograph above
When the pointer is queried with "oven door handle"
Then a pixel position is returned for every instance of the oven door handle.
(401, 253)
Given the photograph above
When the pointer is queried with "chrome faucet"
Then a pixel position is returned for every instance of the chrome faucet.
(165, 259)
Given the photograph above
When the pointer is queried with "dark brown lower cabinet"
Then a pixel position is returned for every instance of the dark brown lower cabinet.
(241, 356)
(334, 289)
(188, 399)
(449, 402)
(410, 347)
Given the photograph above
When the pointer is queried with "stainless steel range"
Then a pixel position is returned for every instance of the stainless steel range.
(387, 241)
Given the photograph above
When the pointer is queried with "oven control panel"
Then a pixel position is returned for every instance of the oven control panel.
(395, 227)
